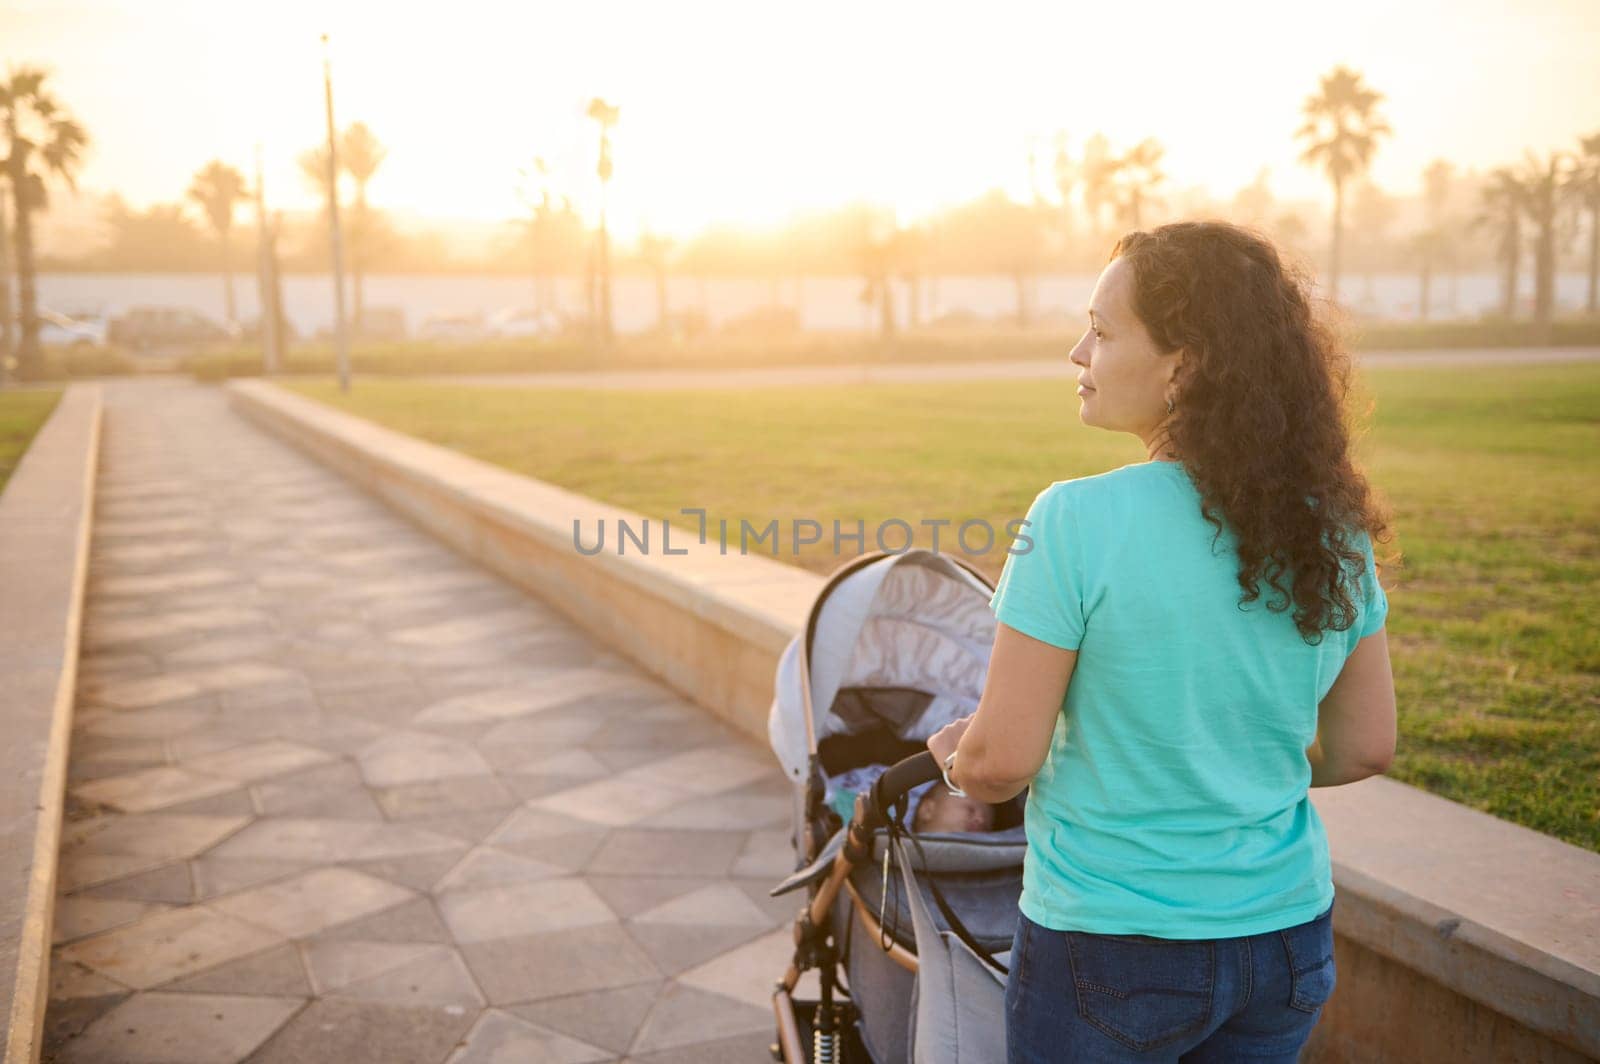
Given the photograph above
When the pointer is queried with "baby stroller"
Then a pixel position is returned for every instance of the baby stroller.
(909, 934)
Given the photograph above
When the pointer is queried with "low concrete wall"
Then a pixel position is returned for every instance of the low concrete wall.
(1460, 937)
(45, 518)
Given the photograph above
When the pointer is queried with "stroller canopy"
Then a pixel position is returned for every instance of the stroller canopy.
(916, 621)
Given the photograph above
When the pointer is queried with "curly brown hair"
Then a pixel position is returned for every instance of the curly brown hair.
(1260, 411)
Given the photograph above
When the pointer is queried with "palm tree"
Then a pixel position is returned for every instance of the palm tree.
(360, 155)
(34, 122)
(1544, 180)
(1500, 206)
(1134, 180)
(605, 115)
(217, 187)
(1342, 130)
(1586, 185)
(1435, 241)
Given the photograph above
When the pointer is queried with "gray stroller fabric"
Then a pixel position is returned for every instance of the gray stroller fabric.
(959, 1013)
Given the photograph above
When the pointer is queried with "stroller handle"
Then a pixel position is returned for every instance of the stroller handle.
(901, 777)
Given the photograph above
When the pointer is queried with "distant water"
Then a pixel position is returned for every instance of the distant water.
(824, 303)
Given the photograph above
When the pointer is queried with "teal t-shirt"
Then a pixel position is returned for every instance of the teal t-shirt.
(1174, 800)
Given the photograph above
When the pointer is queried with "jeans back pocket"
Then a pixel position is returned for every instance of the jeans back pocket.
(1312, 973)
(1143, 992)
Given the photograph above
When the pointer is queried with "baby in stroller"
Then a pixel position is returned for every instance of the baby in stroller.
(931, 807)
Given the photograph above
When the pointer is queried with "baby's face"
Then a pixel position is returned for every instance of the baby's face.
(941, 811)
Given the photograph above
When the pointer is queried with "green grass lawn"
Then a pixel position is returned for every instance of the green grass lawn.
(21, 415)
(1490, 473)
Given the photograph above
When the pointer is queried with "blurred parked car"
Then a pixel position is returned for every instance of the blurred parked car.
(142, 328)
(452, 327)
(71, 331)
(516, 323)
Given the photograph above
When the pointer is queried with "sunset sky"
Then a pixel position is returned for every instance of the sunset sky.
(745, 111)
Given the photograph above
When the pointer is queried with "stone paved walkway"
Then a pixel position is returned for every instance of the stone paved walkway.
(338, 795)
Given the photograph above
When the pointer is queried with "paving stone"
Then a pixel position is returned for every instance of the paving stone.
(605, 1018)
(308, 903)
(365, 1032)
(667, 853)
(747, 972)
(257, 761)
(146, 723)
(81, 916)
(222, 875)
(614, 802)
(717, 903)
(335, 964)
(439, 797)
(162, 835)
(413, 757)
(738, 1050)
(275, 972)
(82, 871)
(629, 896)
(707, 771)
(67, 1018)
(500, 1037)
(162, 947)
(470, 827)
(522, 909)
(678, 947)
(437, 977)
(418, 873)
(117, 876)
(484, 866)
(765, 855)
(152, 788)
(162, 1028)
(327, 840)
(686, 1015)
(228, 803)
(412, 921)
(532, 967)
(547, 693)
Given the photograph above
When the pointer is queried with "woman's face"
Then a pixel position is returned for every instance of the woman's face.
(1124, 379)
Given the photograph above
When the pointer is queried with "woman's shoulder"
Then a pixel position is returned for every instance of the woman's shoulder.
(1135, 477)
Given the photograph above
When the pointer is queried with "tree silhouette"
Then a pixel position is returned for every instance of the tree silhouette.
(1436, 242)
(34, 123)
(605, 116)
(1134, 180)
(360, 155)
(1341, 129)
(1544, 181)
(1500, 208)
(1586, 188)
(217, 187)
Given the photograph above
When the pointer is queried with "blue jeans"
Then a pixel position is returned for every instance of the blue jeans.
(1105, 999)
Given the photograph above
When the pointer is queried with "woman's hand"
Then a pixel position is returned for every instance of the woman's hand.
(943, 742)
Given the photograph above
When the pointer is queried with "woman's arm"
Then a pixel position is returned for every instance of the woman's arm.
(1001, 746)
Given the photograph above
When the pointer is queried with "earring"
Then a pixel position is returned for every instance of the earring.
(1169, 404)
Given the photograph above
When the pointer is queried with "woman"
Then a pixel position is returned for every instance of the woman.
(1190, 643)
